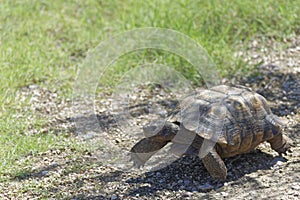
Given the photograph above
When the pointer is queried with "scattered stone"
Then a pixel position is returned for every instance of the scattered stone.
(224, 194)
(296, 187)
(187, 194)
(205, 187)
(33, 87)
(278, 160)
(113, 197)
(88, 136)
(161, 181)
(180, 181)
(186, 182)
(54, 164)
(45, 172)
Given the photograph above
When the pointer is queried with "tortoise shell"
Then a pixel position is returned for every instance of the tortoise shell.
(236, 118)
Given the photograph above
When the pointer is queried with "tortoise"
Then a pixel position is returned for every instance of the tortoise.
(220, 122)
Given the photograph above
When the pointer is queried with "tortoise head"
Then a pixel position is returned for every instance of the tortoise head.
(153, 128)
(161, 128)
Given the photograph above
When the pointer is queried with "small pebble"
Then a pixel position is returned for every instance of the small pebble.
(182, 187)
(206, 187)
(33, 87)
(88, 136)
(44, 172)
(224, 194)
(218, 186)
(278, 160)
(279, 163)
(187, 194)
(113, 197)
(186, 182)
(296, 187)
(54, 164)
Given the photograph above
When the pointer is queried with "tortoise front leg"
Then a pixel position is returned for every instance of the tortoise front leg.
(215, 165)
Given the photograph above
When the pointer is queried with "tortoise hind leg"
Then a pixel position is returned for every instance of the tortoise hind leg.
(215, 165)
(280, 143)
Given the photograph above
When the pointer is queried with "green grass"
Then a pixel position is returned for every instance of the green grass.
(16, 142)
(44, 42)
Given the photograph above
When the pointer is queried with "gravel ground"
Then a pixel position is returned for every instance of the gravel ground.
(261, 174)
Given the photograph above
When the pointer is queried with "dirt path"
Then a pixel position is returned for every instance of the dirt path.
(65, 174)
